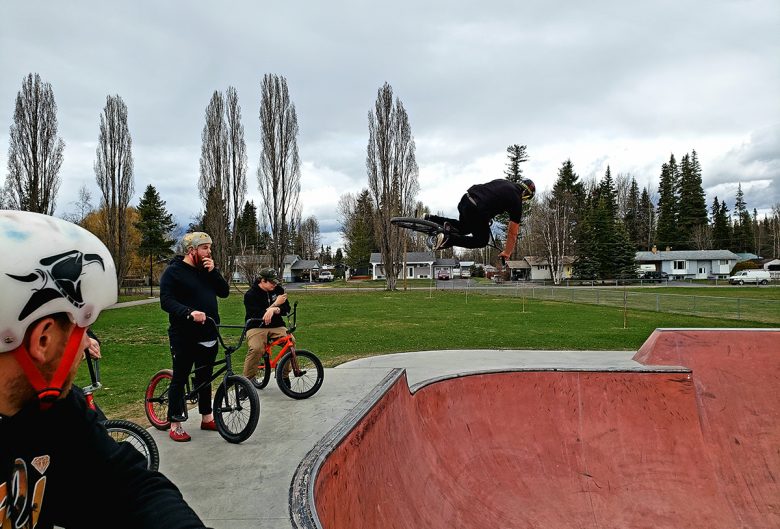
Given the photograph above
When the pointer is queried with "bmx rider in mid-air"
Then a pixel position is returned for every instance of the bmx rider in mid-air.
(478, 207)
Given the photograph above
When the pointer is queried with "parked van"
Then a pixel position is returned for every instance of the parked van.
(750, 276)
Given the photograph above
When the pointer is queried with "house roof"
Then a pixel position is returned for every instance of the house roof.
(688, 255)
(521, 264)
(304, 264)
(411, 257)
(290, 259)
(446, 262)
(744, 256)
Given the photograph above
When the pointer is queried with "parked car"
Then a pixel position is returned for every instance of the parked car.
(325, 275)
(750, 276)
(443, 274)
(657, 277)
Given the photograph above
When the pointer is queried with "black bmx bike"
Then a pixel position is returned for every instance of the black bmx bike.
(432, 229)
(236, 404)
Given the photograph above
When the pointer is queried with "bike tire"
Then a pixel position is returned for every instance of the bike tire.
(303, 385)
(156, 399)
(263, 375)
(421, 225)
(236, 409)
(129, 432)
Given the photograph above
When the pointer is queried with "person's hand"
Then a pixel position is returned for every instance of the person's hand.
(94, 349)
(504, 255)
(198, 316)
(269, 313)
(208, 264)
(281, 299)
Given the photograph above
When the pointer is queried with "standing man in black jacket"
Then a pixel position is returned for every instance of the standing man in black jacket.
(265, 299)
(58, 465)
(188, 293)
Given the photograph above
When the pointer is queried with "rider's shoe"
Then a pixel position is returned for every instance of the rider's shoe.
(441, 240)
(179, 435)
(211, 426)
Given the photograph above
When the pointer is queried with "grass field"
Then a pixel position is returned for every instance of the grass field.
(340, 325)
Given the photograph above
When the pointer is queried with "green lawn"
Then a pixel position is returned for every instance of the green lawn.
(339, 325)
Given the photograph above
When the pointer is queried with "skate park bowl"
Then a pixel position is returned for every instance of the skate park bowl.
(688, 439)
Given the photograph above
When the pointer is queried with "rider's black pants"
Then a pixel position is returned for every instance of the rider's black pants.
(186, 352)
(471, 230)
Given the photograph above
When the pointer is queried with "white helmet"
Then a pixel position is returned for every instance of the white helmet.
(51, 266)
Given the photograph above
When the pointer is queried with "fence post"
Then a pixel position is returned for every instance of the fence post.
(658, 302)
(739, 306)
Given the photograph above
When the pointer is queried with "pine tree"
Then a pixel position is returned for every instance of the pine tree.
(668, 204)
(721, 231)
(155, 225)
(645, 221)
(743, 229)
(692, 205)
(247, 233)
(631, 218)
(517, 154)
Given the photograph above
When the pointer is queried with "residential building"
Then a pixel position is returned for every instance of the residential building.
(297, 269)
(419, 265)
(690, 264)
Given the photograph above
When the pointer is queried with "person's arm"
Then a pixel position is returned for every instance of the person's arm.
(221, 286)
(282, 302)
(511, 239)
(168, 300)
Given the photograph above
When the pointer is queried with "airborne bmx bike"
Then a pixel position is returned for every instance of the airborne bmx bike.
(236, 405)
(299, 372)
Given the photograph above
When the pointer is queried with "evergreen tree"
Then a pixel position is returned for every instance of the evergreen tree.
(668, 205)
(631, 218)
(645, 221)
(517, 154)
(359, 237)
(155, 225)
(568, 182)
(247, 232)
(692, 205)
(339, 257)
(721, 231)
(743, 225)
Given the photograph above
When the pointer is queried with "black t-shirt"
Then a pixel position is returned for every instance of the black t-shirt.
(498, 196)
(60, 468)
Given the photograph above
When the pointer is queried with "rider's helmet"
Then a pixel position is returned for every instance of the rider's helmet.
(52, 266)
(527, 187)
(195, 239)
(269, 274)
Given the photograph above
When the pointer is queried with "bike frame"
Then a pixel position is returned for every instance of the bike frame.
(227, 368)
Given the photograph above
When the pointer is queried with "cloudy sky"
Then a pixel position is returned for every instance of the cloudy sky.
(612, 83)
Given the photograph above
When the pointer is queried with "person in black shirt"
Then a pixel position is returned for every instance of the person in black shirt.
(188, 293)
(477, 208)
(265, 299)
(58, 465)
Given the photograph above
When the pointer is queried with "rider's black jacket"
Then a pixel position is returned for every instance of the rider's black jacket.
(59, 468)
(498, 196)
(257, 300)
(185, 288)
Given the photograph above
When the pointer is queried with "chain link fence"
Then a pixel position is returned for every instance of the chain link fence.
(759, 310)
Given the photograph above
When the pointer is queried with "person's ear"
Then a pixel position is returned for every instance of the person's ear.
(44, 337)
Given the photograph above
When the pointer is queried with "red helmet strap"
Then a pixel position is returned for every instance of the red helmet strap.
(50, 390)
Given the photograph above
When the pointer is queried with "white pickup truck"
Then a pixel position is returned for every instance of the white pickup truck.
(750, 276)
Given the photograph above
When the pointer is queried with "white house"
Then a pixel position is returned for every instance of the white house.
(538, 268)
(774, 268)
(419, 265)
(690, 264)
(297, 269)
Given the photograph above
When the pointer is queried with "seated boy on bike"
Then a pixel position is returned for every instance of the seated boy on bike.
(264, 300)
(477, 208)
(55, 455)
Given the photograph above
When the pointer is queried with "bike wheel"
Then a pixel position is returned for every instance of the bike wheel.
(411, 223)
(156, 399)
(236, 409)
(263, 375)
(134, 434)
(303, 382)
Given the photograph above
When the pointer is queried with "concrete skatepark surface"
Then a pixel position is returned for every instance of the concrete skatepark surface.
(694, 444)
(549, 439)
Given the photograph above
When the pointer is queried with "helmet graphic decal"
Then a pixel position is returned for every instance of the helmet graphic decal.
(61, 278)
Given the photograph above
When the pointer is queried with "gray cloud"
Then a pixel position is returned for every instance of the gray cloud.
(603, 83)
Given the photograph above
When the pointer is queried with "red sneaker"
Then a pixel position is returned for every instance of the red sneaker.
(179, 435)
(211, 425)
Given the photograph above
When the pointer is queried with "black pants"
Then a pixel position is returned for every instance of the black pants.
(186, 352)
(471, 230)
